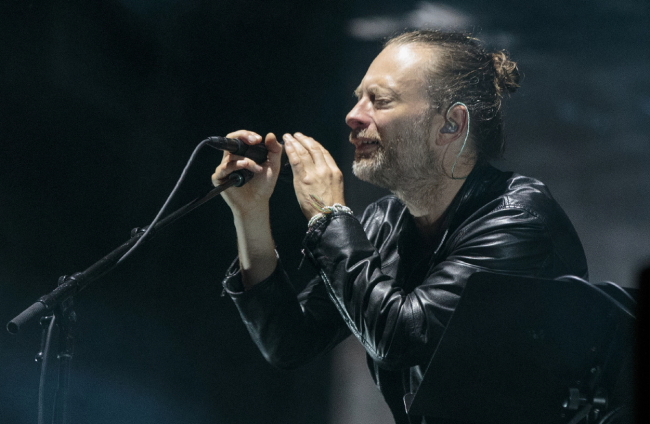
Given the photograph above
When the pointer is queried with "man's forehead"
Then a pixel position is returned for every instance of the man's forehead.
(397, 67)
(408, 52)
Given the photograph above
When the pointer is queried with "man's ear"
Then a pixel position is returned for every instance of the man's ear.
(454, 125)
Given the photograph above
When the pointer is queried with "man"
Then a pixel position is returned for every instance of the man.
(426, 122)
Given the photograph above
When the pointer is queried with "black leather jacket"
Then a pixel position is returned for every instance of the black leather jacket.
(380, 281)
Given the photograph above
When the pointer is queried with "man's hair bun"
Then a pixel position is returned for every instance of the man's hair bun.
(506, 73)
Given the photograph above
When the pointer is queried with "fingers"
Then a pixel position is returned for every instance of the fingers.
(305, 151)
(272, 143)
(274, 149)
(305, 154)
(231, 162)
(315, 173)
(228, 167)
(248, 137)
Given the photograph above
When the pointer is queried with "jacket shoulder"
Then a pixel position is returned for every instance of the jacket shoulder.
(520, 208)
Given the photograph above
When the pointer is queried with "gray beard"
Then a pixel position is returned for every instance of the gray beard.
(417, 185)
(405, 165)
(374, 170)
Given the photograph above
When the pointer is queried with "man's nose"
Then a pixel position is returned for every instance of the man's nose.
(358, 117)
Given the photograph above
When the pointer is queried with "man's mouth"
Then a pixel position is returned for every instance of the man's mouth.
(365, 148)
(367, 141)
(365, 144)
(360, 140)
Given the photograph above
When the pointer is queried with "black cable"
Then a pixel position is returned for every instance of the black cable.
(164, 206)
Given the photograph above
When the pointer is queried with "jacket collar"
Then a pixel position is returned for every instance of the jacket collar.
(481, 185)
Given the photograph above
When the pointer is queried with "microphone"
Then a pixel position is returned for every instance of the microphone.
(257, 152)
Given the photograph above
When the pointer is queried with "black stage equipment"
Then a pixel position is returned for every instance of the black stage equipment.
(536, 351)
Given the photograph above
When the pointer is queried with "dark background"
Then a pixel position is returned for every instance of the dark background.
(102, 103)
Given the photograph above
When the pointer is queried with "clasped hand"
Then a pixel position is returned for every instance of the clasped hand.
(315, 174)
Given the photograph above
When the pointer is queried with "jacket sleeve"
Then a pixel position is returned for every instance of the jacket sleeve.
(289, 328)
(401, 328)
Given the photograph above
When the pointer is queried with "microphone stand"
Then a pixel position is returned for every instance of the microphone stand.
(58, 304)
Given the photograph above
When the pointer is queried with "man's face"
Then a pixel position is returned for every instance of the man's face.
(391, 122)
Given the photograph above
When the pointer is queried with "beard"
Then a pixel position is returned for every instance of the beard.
(403, 159)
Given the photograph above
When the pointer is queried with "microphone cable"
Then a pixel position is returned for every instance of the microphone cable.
(167, 202)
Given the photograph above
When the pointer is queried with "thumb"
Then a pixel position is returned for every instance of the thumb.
(274, 149)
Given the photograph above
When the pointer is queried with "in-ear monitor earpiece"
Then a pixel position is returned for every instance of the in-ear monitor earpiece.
(450, 127)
